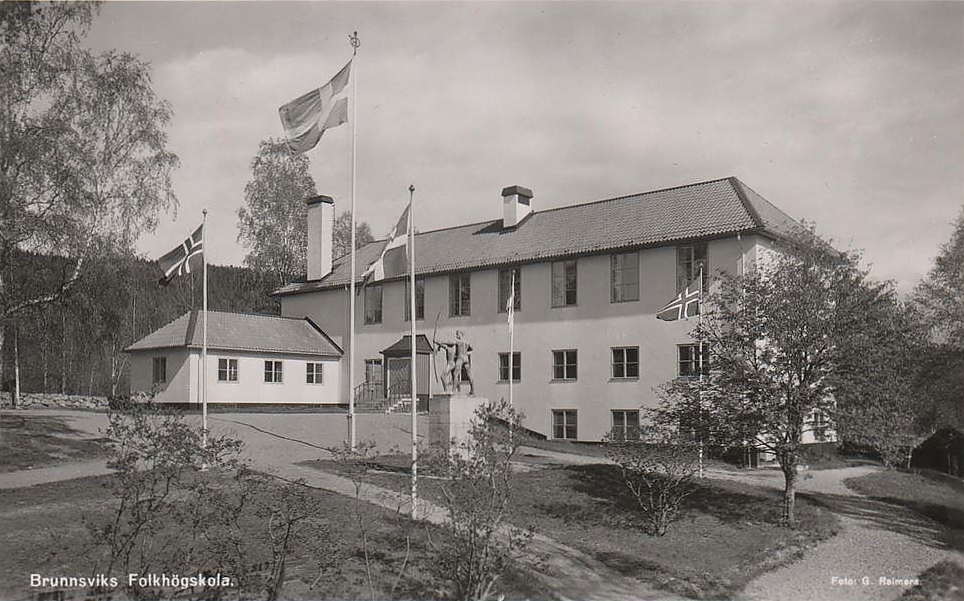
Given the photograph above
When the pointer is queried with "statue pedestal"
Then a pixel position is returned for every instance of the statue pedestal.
(450, 416)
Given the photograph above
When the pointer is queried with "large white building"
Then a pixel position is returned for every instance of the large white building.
(589, 280)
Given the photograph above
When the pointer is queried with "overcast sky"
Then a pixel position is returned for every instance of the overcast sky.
(846, 114)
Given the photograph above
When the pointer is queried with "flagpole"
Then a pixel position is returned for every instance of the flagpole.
(511, 312)
(414, 388)
(699, 397)
(204, 339)
(355, 43)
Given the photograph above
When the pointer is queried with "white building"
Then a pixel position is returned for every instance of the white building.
(252, 360)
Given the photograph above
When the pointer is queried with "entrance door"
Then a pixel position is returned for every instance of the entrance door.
(399, 376)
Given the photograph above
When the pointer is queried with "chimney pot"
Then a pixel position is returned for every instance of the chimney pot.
(516, 205)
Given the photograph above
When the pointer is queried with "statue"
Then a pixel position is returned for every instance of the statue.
(458, 360)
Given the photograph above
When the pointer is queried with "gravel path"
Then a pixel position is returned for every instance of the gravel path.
(877, 541)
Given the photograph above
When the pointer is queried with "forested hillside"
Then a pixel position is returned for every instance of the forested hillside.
(75, 345)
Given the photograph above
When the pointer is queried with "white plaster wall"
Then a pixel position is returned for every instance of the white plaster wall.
(592, 327)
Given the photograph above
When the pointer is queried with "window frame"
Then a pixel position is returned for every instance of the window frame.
(229, 362)
(565, 423)
(516, 367)
(460, 297)
(419, 300)
(625, 363)
(314, 373)
(276, 369)
(693, 349)
(564, 277)
(688, 266)
(371, 317)
(625, 426)
(505, 278)
(616, 272)
(566, 365)
(162, 362)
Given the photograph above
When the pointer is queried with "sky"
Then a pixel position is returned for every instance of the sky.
(849, 115)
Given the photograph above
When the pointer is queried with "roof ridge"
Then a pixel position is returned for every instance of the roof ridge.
(572, 206)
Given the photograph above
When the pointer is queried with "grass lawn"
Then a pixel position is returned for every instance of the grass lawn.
(33, 441)
(728, 533)
(42, 530)
(941, 582)
(937, 496)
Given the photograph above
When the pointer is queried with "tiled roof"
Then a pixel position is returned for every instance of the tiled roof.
(404, 346)
(701, 210)
(242, 332)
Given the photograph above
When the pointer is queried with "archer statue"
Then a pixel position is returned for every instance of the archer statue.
(458, 360)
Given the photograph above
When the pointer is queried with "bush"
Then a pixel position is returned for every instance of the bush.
(658, 472)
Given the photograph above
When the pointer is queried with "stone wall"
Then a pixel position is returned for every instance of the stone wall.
(35, 400)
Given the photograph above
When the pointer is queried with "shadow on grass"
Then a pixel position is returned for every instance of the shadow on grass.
(930, 524)
(726, 501)
(40, 441)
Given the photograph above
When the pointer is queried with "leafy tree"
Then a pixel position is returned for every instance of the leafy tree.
(940, 300)
(273, 225)
(84, 166)
(341, 238)
(776, 337)
(880, 402)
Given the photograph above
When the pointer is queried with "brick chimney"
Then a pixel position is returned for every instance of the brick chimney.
(321, 219)
(516, 205)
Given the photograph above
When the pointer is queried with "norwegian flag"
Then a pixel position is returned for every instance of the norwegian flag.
(183, 258)
(685, 305)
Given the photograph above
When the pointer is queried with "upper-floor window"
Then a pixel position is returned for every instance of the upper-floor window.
(272, 371)
(314, 373)
(689, 259)
(506, 277)
(565, 364)
(564, 283)
(159, 370)
(689, 360)
(227, 370)
(373, 304)
(626, 362)
(504, 367)
(419, 299)
(625, 277)
(460, 295)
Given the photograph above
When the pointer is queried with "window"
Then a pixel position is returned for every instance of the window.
(159, 370)
(689, 360)
(819, 425)
(373, 304)
(314, 373)
(460, 295)
(563, 283)
(625, 424)
(625, 277)
(419, 299)
(626, 362)
(689, 259)
(564, 424)
(564, 365)
(227, 370)
(272, 371)
(505, 280)
(504, 367)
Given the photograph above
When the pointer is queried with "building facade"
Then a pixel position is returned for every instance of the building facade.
(588, 351)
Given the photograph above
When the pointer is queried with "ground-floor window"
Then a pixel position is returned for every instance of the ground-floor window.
(819, 425)
(314, 373)
(272, 371)
(227, 370)
(159, 370)
(625, 424)
(564, 424)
